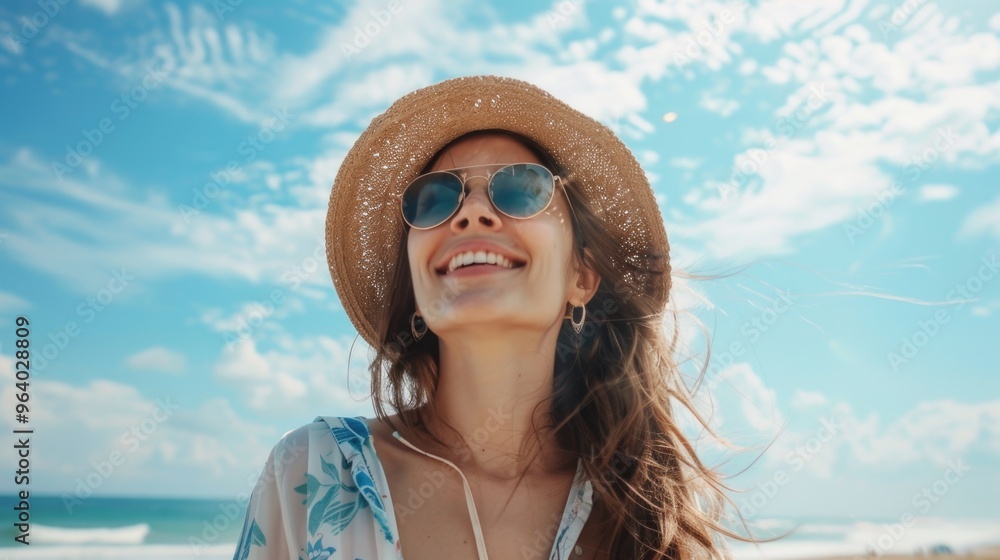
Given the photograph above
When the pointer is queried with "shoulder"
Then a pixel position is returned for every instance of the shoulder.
(323, 437)
(299, 490)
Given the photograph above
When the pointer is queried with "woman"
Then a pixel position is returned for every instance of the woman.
(505, 257)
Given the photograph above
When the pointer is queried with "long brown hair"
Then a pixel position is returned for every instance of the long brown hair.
(615, 386)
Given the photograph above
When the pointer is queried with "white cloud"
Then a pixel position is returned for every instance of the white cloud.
(722, 107)
(824, 436)
(299, 373)
(239, 70)
(806, 399)
(937, 192)
(937, 431)
(10, 303)
(758, 403)
(699, 34)
(253, 316)
(926, 110)
(685, 162)
(930, 433)
(370, 93)
(983, 221)
(772, 19)
(70, 230)
(648, 157)
(224, 65)
(189, 448)
(737, 405)
(806, 187)
(157, 358)
(109, 7)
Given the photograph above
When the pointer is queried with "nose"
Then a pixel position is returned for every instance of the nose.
(476, 207)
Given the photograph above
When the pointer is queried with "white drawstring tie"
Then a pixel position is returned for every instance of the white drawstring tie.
(480, 542)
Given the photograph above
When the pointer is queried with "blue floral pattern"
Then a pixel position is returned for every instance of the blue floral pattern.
(323, 495)
(318, 552)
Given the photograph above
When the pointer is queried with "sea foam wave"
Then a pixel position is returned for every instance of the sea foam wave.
(130, 534)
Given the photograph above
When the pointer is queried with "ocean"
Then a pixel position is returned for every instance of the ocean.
(99, 528)
(153, 528)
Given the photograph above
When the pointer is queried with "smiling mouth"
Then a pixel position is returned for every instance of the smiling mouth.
(456, 267)
(478, 269)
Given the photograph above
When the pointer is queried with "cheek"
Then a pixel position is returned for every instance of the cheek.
(558, 224)
(421, 246)
(417, 248)
(550, 244)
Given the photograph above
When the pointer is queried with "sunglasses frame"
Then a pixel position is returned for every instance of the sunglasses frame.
(464, 177)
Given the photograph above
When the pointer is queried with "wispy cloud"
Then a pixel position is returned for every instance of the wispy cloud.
(71, 230)
(983, 221)
(10, 302)
(109, 7)
(157, 358)
(930, 193)
(832, 164)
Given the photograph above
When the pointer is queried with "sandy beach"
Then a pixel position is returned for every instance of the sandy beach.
(983, 553)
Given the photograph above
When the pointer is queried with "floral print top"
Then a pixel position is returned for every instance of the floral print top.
(323, 496)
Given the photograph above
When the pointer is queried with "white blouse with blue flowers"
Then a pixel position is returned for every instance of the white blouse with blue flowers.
(323, 496)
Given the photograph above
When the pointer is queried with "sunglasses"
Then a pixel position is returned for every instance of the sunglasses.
(518, 190)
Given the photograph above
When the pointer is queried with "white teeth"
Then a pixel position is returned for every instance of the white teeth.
(470, 257)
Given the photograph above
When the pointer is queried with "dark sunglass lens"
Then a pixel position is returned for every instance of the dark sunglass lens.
(431, 199)
(522, 190)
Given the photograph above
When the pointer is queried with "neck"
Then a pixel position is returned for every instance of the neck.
(492, 387)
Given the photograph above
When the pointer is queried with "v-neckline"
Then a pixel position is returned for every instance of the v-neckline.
(578, 502)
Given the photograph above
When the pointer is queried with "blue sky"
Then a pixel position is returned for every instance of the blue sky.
(165, 170)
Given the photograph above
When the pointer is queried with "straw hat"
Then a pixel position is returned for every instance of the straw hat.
(364, 224)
